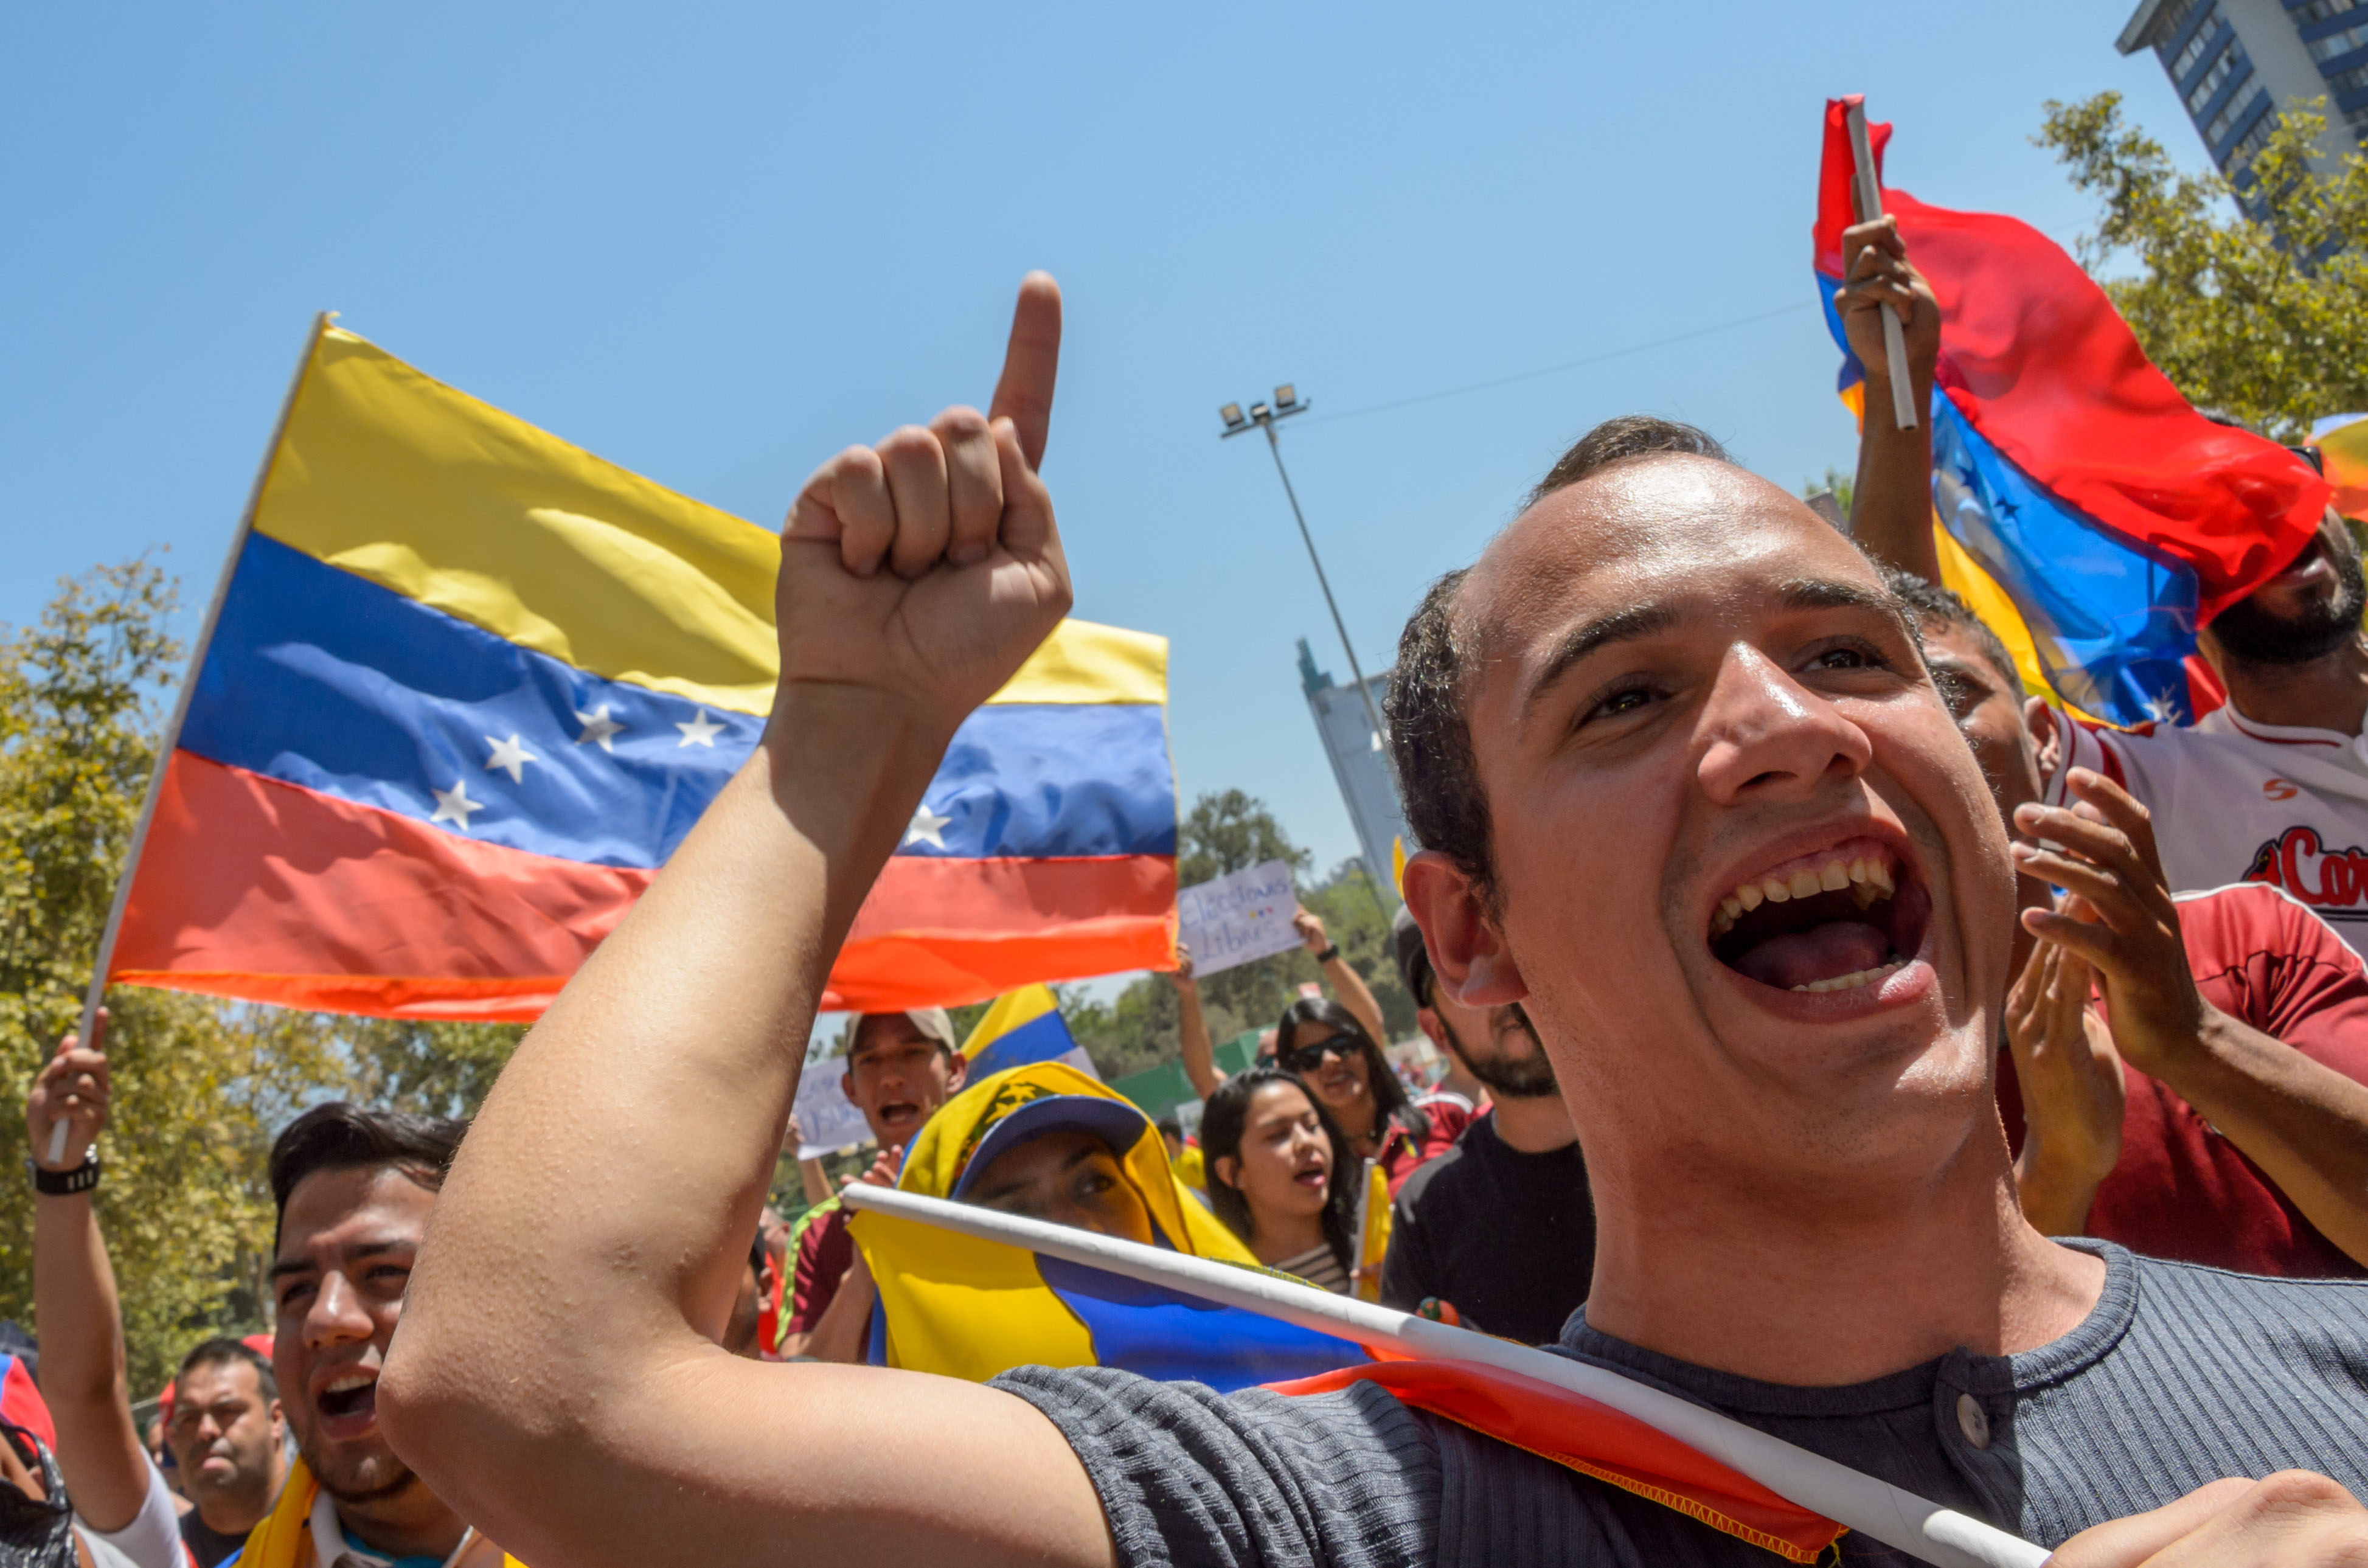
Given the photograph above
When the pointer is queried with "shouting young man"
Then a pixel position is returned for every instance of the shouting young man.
(1693, 803)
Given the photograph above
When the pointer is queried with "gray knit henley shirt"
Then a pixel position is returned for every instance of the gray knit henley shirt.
(2180, 1376)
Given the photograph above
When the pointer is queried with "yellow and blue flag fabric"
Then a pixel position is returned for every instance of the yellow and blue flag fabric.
(2091, 517)
(968, 1308)
(468, 686)
(1023, 1026)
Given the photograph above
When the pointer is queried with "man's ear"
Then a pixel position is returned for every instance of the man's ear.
(2047, 738)
(846, 1085)
(1468, 955)
(957, 1069)
(1428, 1020)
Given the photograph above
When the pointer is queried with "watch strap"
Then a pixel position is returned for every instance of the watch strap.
(63, 1184)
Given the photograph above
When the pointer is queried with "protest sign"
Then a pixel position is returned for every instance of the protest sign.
(825, 1120)
(1239, 917)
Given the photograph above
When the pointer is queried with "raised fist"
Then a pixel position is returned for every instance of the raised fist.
(71, 1087)
(927, 568)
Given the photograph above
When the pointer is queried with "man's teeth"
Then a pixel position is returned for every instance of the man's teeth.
(1852, 982)
(346, 1385)
(1868, 878)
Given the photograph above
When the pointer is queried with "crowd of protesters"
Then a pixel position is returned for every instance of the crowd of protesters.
(1954, 999)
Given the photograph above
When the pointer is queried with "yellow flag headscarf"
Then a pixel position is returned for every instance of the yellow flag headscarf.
(971, 1309)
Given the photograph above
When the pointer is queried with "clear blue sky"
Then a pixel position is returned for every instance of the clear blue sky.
(716, 243)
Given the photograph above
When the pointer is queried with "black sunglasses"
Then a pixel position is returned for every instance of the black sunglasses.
(1307, 1057)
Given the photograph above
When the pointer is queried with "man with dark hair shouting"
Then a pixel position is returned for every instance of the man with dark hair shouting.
(1695, 805)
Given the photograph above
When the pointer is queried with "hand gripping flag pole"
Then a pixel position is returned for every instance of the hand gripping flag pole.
(105, 959)
(1870, 208)
(1899, 1519)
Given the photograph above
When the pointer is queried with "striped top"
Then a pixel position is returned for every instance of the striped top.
(1320, 1267)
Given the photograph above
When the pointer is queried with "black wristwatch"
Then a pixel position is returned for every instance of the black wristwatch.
(1328, 954)
(62, 1184)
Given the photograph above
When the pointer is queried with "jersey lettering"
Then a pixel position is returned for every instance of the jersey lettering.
(2333, 883)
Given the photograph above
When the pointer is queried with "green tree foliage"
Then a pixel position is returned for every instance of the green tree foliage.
(2266, 320)
(200, 1085)
(433, 1069)
(197, 1084)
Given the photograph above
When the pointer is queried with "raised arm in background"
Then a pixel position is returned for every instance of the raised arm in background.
(75, 1305)
(1193, 1027)
(1349, 987)
(555, 1377)
(1891, 500)
(2302, 1121)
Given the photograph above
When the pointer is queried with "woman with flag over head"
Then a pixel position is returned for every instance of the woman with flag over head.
(1049, 1142)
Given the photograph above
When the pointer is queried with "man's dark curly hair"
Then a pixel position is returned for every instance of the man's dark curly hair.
(1430, 739)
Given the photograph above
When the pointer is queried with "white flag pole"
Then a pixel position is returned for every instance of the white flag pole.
(172, 736)
(1899, 1519)
(1870, 208)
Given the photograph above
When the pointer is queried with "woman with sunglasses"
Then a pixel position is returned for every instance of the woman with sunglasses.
(1200, 1060)
(1324, 1045)
(1274, 1163)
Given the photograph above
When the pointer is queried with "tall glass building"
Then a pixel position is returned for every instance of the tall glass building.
(2234, 62)
(1360, 766)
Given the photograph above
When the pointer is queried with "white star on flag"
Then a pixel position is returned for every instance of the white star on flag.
(700, 731)
(454, 805)
(599, 726)
(2162, 708)
(512, 754)
(928, 827)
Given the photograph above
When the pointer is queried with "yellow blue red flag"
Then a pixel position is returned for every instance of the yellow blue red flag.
(968, 1308)
(467, 686)
(1023, 1026)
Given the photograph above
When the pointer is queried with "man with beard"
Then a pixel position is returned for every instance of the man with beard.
(354, 1188)
(1667, 683)
(2269, 787)
(1500, 1229)
(2216, 1110)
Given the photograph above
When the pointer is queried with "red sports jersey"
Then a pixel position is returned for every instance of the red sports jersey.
(2235, 801)
(2182, 1190)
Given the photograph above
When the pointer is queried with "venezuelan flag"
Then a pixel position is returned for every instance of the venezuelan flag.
(1023, 1026)
(467, 686)
(969, 1308)
(2090, 515)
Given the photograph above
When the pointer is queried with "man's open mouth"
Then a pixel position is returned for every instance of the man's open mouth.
(353, 1395)
(1834, 920)
(895, 1112)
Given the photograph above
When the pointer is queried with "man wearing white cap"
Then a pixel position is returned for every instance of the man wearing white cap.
(900, 1068)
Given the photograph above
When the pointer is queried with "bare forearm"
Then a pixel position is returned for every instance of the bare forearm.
(2303, 1123)
(1891, 501)
(616, 1247)
(1192, 1040)
(81, 1325)
(814, 1181)
(1351, 988)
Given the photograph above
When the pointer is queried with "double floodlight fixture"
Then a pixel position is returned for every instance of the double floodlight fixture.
(1261, 416)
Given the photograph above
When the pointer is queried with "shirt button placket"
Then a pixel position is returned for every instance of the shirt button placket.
(1973, 1421)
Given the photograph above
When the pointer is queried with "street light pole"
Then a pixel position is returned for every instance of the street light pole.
(1261, 417)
